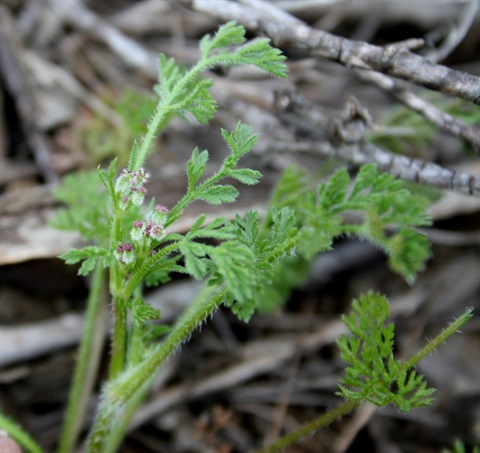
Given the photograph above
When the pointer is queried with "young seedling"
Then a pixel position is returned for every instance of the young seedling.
(373, 374)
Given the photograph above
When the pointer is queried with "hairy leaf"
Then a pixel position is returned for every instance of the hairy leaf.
(218, 194)
(88, 255)
(241, 140)
(227, 35)
(143, 312)
(88, 206)
(196, 166)
(246, 176)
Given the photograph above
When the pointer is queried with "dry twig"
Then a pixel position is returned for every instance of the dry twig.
(457, 32)
(394, 59)
(433, 114)
(407, 168)
(342, 136)
(135, 55)
(13, 73)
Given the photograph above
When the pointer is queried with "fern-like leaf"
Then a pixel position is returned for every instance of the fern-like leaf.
(87, 255)
(374, 375)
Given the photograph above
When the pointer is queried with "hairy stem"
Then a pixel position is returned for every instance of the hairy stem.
(147, 267)
(87, 362)
(161, 115)
(121, 392)
(119, 338)
(439, 339)
(310, 428)
(177, 210)
(117, 433)
(123, 389)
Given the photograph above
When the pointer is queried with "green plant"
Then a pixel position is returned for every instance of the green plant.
(417, 130)
(374, 375)
(459, 447)
(133, 247)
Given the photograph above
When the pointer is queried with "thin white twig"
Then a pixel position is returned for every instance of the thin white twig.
(457, 32)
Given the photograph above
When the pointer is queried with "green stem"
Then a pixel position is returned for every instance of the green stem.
(119, 338)
(192, 195)
(310, 428)
(117, 227)
(161, 115)
(88, 360)
(147, 267)
(439, 339)
(136, 342)
(116, 238)
(176, 211)
(124, 390)
(118, 431)
(19, 435)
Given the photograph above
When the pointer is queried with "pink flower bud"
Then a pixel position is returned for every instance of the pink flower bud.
(136, 233)
(159, 214)
(162, 209)
(157, 232)
(124, 254)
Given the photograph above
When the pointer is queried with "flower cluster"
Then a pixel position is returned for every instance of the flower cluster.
(153, 228)
(124, 253)
(130, 186)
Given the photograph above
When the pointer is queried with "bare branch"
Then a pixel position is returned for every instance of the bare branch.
(436, 116)
(395, 59)
(457, 32)
(13, 72)
(404, 167)
(134, 54)
(342, 136)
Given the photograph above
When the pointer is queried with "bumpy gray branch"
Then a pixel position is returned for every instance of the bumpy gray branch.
(436, 116)
(404, 167)
(343, 136)
(395, 59)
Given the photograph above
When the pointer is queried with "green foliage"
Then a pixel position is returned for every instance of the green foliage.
(135, 109)
(386, 203)
(108, 179)
(290, 273)
(239, 141)
(388, 215)
(374, 375)
(242, 263)
(142, 312)
(193, 97)
(240, 259)
(418, 130)
(195, 167)
(256, 260)
(218, 194)
(234, 266)
(459, 447)
(88, 210)
(89, 256)
(220, 49)
(184, 92)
